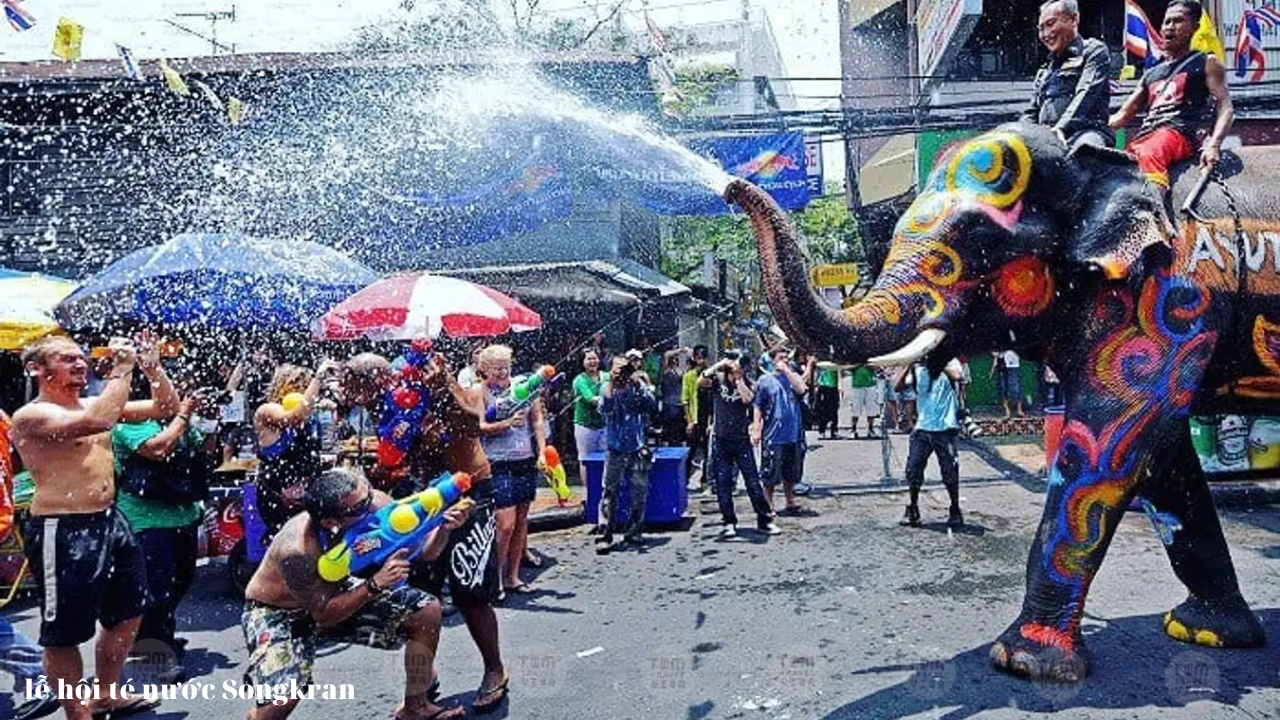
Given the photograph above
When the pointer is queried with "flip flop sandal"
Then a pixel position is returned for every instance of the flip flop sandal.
(132, 706)
(440, 714)
(497, 693)
(522, 589)
(532, 560)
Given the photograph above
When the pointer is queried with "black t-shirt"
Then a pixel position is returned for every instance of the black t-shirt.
(732, 416)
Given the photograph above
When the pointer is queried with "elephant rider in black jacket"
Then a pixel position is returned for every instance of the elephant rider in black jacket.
(1073, 87)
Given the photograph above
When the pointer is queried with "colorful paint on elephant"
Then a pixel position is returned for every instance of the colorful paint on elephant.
(1208, 252)
(988, 174)
(1023, 288)
(1144, 369)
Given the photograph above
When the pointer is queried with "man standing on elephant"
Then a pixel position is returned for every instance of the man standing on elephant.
(1072, 89)
(1180, 94)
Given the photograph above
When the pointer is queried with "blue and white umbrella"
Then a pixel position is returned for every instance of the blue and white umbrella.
(218, 281)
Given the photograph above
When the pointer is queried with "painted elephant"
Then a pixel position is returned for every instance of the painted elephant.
(1070, 260)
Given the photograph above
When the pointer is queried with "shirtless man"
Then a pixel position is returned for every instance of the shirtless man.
(87, 561)
(450, 441)
(289, 609)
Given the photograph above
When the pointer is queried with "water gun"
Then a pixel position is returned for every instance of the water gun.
(403, 524)
(553, 470)
(522, 394)
(405, 407)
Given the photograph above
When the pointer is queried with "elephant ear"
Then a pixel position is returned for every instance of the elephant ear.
(1121, 215)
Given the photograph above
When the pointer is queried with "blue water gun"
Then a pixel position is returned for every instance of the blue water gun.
(403, 524)
(522, 393)
(405, 407)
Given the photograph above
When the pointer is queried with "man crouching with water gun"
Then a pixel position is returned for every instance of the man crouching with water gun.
(290, 609)
(443, 436)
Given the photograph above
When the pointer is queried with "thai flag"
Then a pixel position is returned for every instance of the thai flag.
(1249, 47)
(1140, 38)
(1268, 16)
(18, 17)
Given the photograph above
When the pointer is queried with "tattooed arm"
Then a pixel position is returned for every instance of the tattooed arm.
(327, 603)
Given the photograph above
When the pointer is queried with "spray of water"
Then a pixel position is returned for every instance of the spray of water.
(404, 153)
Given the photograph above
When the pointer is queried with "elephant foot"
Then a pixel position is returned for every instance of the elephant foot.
(1040, 652)
(1225, 623)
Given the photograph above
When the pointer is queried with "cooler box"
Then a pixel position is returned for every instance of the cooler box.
(668, 499)
(1053, 420)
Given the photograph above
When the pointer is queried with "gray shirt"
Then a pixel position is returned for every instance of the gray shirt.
(1072, 91)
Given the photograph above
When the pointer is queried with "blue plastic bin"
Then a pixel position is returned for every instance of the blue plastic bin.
(255, 530)
(668, 499)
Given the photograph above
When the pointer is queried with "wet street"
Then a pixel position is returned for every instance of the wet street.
(845, 615)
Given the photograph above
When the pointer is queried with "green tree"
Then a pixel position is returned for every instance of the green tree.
(828, 234)
(477, 24)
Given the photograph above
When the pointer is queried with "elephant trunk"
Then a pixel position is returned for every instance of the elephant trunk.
(805, 318)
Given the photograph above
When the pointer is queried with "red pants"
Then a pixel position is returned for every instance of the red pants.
(1158, 150)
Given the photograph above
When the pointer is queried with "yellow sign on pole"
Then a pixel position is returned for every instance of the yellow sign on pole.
(834, 275)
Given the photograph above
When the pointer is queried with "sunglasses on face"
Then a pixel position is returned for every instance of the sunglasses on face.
(360, 509)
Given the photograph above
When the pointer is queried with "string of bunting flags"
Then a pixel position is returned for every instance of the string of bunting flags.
(68, 44)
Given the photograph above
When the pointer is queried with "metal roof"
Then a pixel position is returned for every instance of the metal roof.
(110, 69)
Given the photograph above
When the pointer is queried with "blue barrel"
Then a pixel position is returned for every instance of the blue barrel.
(668, 499)
(255, 530)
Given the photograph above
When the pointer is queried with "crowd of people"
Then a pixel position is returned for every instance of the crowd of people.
(122, 449)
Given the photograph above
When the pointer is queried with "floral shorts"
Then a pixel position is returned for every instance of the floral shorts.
(282, 643)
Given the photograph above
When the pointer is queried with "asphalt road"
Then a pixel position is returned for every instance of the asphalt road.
(846, 615)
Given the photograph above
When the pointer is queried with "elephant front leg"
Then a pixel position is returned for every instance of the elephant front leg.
(1178, 501)
(1137, 367)
(1081, 511)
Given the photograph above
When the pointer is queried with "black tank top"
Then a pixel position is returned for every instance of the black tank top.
(1178, 96)
(294, 458)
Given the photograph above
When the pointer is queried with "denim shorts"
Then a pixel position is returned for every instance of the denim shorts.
(514, 482)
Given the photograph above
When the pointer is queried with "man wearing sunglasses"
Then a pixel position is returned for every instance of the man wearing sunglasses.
(289, 610)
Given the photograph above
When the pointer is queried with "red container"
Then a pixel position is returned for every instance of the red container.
(1053, 420)
(223, 523)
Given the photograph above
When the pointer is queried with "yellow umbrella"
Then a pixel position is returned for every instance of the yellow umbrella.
(27, 301)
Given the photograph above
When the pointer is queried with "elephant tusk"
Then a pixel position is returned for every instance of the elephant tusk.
(922, 345)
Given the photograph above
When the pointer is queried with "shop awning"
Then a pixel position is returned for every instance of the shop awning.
(593, 281)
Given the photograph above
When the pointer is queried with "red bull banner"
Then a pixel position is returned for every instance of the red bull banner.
(776, 163)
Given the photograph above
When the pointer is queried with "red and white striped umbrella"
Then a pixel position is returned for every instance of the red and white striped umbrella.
(417, 305)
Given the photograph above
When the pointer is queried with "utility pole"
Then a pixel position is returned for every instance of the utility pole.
(213, 18)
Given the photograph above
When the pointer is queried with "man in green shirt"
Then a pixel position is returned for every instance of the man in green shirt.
(162, 476)
(864, 398)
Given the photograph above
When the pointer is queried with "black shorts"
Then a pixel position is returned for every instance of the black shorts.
(469, 561)
(781, 463)
(89, 569)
